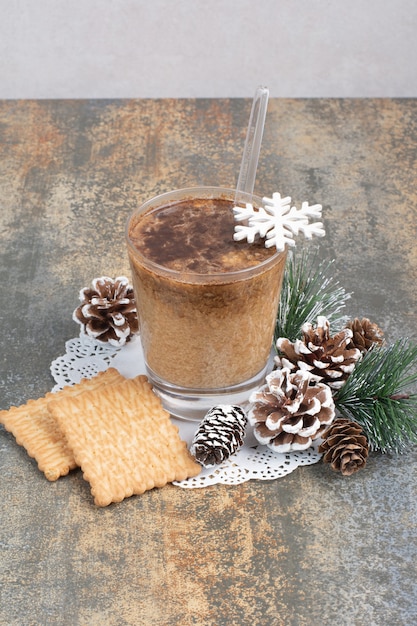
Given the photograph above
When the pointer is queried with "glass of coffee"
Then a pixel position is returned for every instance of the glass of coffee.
(207, 304)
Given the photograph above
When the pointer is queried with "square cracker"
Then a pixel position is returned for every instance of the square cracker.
(37, 431)
(123, 440)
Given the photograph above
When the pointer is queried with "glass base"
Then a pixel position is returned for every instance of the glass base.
(193, 404)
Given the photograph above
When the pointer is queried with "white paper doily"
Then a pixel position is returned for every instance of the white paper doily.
(85, 357)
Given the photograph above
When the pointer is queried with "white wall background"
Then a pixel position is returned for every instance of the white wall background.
(207, 48)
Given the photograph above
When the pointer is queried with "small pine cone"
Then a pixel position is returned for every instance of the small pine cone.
(365, 334)
(328, 359)
(345, 446)
(108, 311)
(291, 410)
(219, 435)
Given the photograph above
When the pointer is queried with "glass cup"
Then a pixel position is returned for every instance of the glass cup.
(207, 305)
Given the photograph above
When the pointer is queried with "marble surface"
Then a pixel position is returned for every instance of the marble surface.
(314, 548)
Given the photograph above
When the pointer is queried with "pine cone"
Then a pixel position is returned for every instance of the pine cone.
(291, 410)
(365, 334)
(345, 446)
(219, 435)
(328, 359)
(108, 311)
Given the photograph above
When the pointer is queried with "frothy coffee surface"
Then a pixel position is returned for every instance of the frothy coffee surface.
(195, 236)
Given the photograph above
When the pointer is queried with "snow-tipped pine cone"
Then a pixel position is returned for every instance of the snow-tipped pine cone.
(365, 334)
(107, 311)
(328, 359)
(219, 435)
(344, 446)
(290, 410)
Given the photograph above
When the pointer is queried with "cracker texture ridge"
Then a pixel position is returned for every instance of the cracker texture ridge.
(123, 440)
(38, 432)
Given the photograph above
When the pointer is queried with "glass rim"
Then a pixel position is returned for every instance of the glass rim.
(196, 277)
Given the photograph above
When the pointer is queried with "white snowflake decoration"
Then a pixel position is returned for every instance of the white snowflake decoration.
(277, 221)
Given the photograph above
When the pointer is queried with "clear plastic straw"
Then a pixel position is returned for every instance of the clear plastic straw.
(249, 165)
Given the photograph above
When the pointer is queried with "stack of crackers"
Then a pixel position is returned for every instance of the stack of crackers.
(114, 428)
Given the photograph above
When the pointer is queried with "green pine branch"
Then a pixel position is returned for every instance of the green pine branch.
(307, 292)
(379, 396)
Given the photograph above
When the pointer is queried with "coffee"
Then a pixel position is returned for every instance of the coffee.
(207, 305)
(195, 237)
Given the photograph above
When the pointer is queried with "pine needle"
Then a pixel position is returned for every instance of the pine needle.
(377, 396)
(307, 292)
